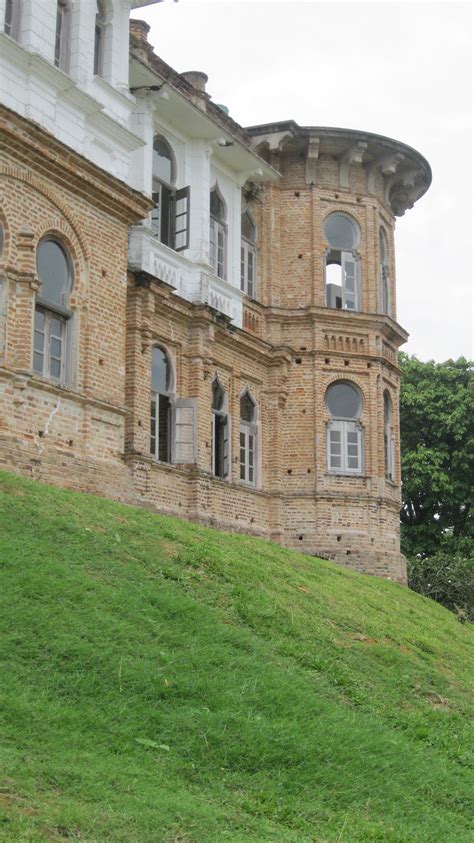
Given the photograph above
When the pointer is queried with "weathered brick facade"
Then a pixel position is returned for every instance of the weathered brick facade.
(92, 431)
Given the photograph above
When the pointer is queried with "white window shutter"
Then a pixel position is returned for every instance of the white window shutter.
(225, 446)
(349, 269)
(185, 419)
(181, 219)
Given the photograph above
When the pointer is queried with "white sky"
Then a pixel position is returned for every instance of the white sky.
(401, 69)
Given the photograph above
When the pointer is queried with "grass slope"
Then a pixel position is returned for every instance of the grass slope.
(167, 682)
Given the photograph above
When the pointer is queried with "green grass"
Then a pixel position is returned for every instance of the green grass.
(166, 682)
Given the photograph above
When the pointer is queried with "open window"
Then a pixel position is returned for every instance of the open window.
(170, 216)
(344, 432)
(218, 234)
(220, 431)
(53, 317)
(388, 438)
(248, 256)
(62, 35)
(161, 405)
(248, 439)
(341, 262)
(384, 273)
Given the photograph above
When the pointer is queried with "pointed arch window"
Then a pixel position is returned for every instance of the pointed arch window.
(248, 439)
(384, 273)
(53, 317)
(161, 405)
(342, 273)
(218, 234)
(170, 216)
(62, 35)
(248, 255)
(99, 39)
(388, 438)
(344, 432)
(220, 431)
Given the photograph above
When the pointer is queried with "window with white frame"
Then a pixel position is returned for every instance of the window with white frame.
(170, 216)
(248, 439)
(342, 272)
(388, 438)
(248, 256)
(161, 405)
(344, 432)
(99, 39)
(61, 35)
(220, 431)
(218, 234)
(11, 20)
(384, 274)
(52, 314)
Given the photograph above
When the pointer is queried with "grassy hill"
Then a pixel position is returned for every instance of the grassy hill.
(166, 682)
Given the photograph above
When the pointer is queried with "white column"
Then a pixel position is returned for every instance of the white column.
(142, 159)
(198, 176)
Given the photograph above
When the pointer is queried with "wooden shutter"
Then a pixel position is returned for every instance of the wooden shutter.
(225, 445)
(185, 413)
(349, 270)
(181, 219)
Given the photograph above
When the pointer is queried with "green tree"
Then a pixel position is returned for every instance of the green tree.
(437, 446)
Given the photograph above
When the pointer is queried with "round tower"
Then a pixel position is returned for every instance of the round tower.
(327, 282)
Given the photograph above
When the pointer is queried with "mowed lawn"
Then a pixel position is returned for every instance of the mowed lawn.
(162, 681)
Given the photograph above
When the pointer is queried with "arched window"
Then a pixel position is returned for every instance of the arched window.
(161, 405)
(11, 23)
(341, 263)
(384, 275)
(388, 439)
(62, 35)
(248, 255)
(248, 439)
(218, 234)
(99, 39)
(52, 314)
(344, 434)
(170, 216)
(220, 431)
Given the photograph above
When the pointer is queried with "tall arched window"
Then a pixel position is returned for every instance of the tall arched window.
(248, 256)
(220, 431)
(248, 439)
(341, 263)
(218, 234)
(62, 35)
(388, 439)
(161, 405)
(344, 434)
(99, 39)
(52, 314)
(170, 216)
(384, 275)
(11, 22)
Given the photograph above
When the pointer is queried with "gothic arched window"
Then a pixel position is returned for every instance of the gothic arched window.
(52, 314)
(248, 255)
(388, 438)
(218, 234)
(341, 262)
(161, 405)
(344, 433)
(220, 431)
(248, 439)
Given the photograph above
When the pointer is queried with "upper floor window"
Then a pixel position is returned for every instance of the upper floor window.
(248, 439)
(61, 37)
(170, 216)
(218, 234)
(384, 274)
(161, 405)
(99, 39)
(248, 256)
(388, 438)
(12, 18)
(344, 433)
(341, 263)
(220, 431)
(52, 314)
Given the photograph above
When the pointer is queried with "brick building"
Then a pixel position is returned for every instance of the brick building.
(195, 316)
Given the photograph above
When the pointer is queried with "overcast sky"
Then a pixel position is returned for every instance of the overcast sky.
(402, 69)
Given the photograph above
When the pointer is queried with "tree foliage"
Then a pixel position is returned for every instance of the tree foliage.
(437, 447)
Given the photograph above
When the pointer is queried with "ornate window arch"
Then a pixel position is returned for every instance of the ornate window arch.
(220, 430)
(388, 437)
(248, 439)
(162, 400)
(170, 216)
(344, 431)
(384, 273)
(218, 233)
(248, 255)
(341, 264)
(53, 316)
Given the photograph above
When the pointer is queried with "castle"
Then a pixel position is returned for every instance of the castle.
(195, 317)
